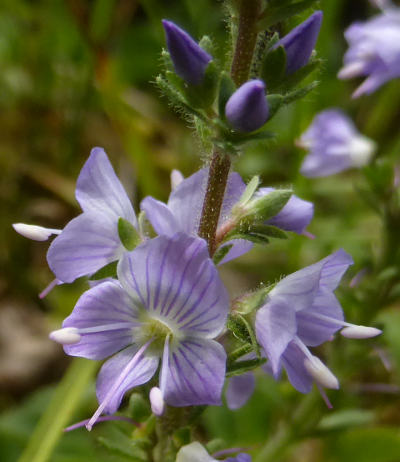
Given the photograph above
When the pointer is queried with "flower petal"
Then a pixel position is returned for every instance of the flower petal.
(293, 362)
(240, 388)
(102, 308)
(193, 452)
(98, 188)
(175, 281)
(275, 328)
(193, 372)
(160, 216)
(88, 242)
(333, 268)
(313, 331)
(142, 371)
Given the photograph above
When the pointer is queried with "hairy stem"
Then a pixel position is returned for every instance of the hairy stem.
(220, 165)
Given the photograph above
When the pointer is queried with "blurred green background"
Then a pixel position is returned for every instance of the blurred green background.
(76, 74)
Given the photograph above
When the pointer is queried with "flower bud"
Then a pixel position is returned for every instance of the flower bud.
(300, 42)
(189, 59)
(247, 109)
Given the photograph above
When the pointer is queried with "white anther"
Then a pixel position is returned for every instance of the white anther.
(66, 336)
(359, 332)
(361, 150)
(37, 233)
(157, 401)
(351, 70)
(176, 179)
(320, 373)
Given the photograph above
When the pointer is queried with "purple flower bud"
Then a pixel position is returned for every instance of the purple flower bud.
(300, 42)
(189, 59)
(247, 109)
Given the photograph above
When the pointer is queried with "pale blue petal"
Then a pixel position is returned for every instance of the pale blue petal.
(239, 390)
(160, 216)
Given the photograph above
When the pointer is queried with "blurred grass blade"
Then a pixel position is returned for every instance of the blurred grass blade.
(59, 412)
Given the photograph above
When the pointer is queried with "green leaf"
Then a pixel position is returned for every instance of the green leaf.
(268, 230)
(252, 237)
(58, 413)
(226, 89)
(139, 407)
(294, 79)
(207, 45)
(273, 68)
(274, 103)
(240, 367)
(251, 188)
(118, 443)
(107, 271)
(221, 253)
(300, 93)
(265, 207)
(128, 234)
(346, 418)
(281, 13)
(203, 95)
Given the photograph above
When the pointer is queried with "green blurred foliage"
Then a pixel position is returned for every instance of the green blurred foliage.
(79, 73)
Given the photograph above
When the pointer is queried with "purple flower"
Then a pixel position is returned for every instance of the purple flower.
(334, 144)
(189, 59)
(183, 210)
(247, 109)
(300, 42)
(195, 452)
(374, 51)
(302, 311)
(91, 240)
(169, 304)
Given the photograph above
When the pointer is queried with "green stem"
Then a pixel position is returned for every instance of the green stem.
(220, 165)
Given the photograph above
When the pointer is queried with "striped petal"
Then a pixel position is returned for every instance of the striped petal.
(193, 372)
(175, 281)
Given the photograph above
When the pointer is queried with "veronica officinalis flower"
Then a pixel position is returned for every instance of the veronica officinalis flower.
(189, 59)
(374, 51)
(169, 304)
(302, 311)
(334, 144)
(247, 109)
(300, 42)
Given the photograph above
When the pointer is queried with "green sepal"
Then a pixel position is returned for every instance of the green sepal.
(280, 11)
(268, 231)
(145, 227)
(128, 234)
(265, 207)
(207, 45)
(273, 68)
(299, 93)
(247, 303)
(257, 233)
(203, 95)
(119, 443)
(274, 103)
(241, 138)
(108, 271)
(139, 408)
(252, 237)
(242, 330)
(221, 253)
(166, 60)
(251, 188)
(294, 79)
(226, 90)
(240, 367)
(182, 436)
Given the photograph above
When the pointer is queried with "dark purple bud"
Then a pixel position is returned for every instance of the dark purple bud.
(189, 59)
(300, 42)
(247, 109)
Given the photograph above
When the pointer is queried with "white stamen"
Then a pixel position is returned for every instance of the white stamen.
(66, 336)
(360, 332)
(127, 369)
(361, 150)
(36, 233)
(157, 401)
(320, 373)
(176, 179)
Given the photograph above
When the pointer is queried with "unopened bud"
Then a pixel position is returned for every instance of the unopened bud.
(300, 42)
(360, 332)
(320, 373)
(157, 401)
(36, 233)
(247, 109)
(189, 59)
(65, 336)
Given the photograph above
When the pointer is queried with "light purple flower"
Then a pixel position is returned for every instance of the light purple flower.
(374, 51)
(300, 42)
(183, 210)
(169, 304)
(189, 59)
(91, 240)
(334, 144)
(302, 311)
(247, 109)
